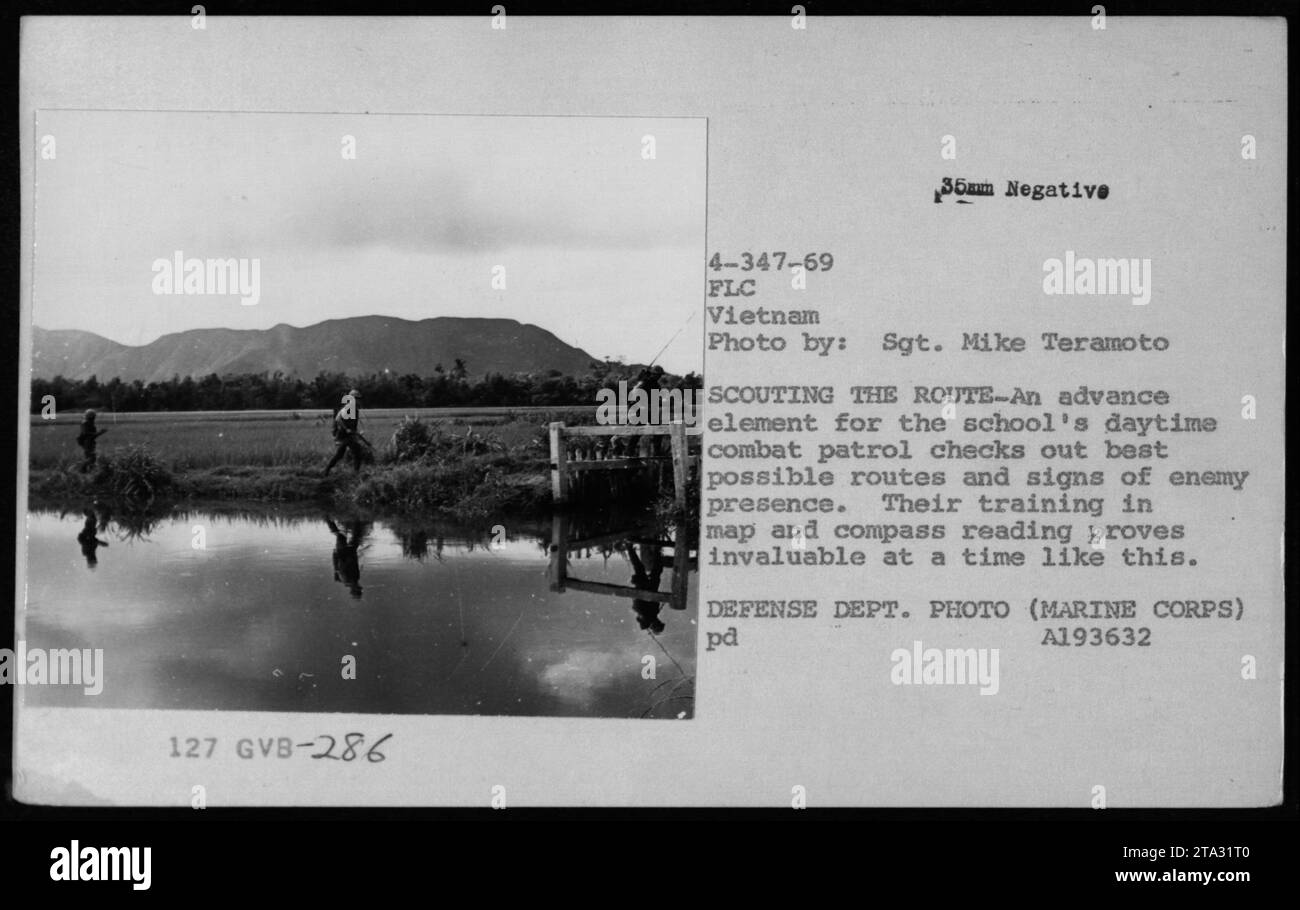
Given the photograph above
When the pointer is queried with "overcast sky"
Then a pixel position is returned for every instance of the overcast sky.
(599, 245)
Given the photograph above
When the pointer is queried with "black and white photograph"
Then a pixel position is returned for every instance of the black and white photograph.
(367, 414)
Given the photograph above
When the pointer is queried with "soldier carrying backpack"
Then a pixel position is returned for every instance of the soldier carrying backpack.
(347, 432)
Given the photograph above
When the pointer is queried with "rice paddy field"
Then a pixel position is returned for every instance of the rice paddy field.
(467, 462)
(198, 440)
(479, 460)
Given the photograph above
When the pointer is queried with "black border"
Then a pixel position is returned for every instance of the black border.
(1045, 824)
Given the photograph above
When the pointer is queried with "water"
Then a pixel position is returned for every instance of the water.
(436, 619)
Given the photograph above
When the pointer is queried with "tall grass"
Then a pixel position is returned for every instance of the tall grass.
(133, 473)
(467, 465)
(195, 443)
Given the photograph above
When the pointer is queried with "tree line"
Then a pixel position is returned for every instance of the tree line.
(277, 391)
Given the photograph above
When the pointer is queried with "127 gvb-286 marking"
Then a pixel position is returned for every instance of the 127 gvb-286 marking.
(350, 747)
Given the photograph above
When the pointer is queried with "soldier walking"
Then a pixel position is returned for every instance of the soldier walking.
(347, 433)
(86, 439)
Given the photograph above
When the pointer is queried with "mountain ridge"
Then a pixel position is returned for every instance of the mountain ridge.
(358, 345)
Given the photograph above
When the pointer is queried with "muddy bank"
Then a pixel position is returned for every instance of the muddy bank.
(466, 490)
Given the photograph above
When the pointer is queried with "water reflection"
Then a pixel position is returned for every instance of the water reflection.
(88, 538)
(347, 565)
(643, 547)
(646, 579)
(549, 618)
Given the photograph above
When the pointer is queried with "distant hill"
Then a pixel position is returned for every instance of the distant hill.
(360, 345)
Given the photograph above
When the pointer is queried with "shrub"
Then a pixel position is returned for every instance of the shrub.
(415, 440)
(133, 472)
(474, 442)
(412, 439)
(415, 487)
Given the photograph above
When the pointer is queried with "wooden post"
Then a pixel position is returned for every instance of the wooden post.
(677, 432)
(559, 552)
(559, 470)
(681, 569)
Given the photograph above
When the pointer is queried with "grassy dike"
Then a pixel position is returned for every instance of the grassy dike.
(466, 472)
(422, 468)
(465, 490)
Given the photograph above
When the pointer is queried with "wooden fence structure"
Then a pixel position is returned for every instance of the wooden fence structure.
(578, 449)
(683, 561)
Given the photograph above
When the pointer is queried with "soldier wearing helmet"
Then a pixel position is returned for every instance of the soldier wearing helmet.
(86, 439)
(347, 431)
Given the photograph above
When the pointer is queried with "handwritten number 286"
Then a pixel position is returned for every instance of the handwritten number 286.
(351, 742)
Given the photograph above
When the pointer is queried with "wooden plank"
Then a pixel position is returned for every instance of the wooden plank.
(600, 587)
(653, 542)
(597, 542)
(681, 570)
(559, 474)
(614, 464)
(678, 436)
(600, 540)
(658, 429)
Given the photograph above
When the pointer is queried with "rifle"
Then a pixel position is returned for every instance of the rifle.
(670, 341)
(350, 433)
(356, 434)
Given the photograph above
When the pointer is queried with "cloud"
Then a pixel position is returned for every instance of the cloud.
(446, 210)
(582, 674)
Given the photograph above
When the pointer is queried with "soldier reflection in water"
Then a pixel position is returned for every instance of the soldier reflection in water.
(347, 569)
(647, 569)
(90, 544)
